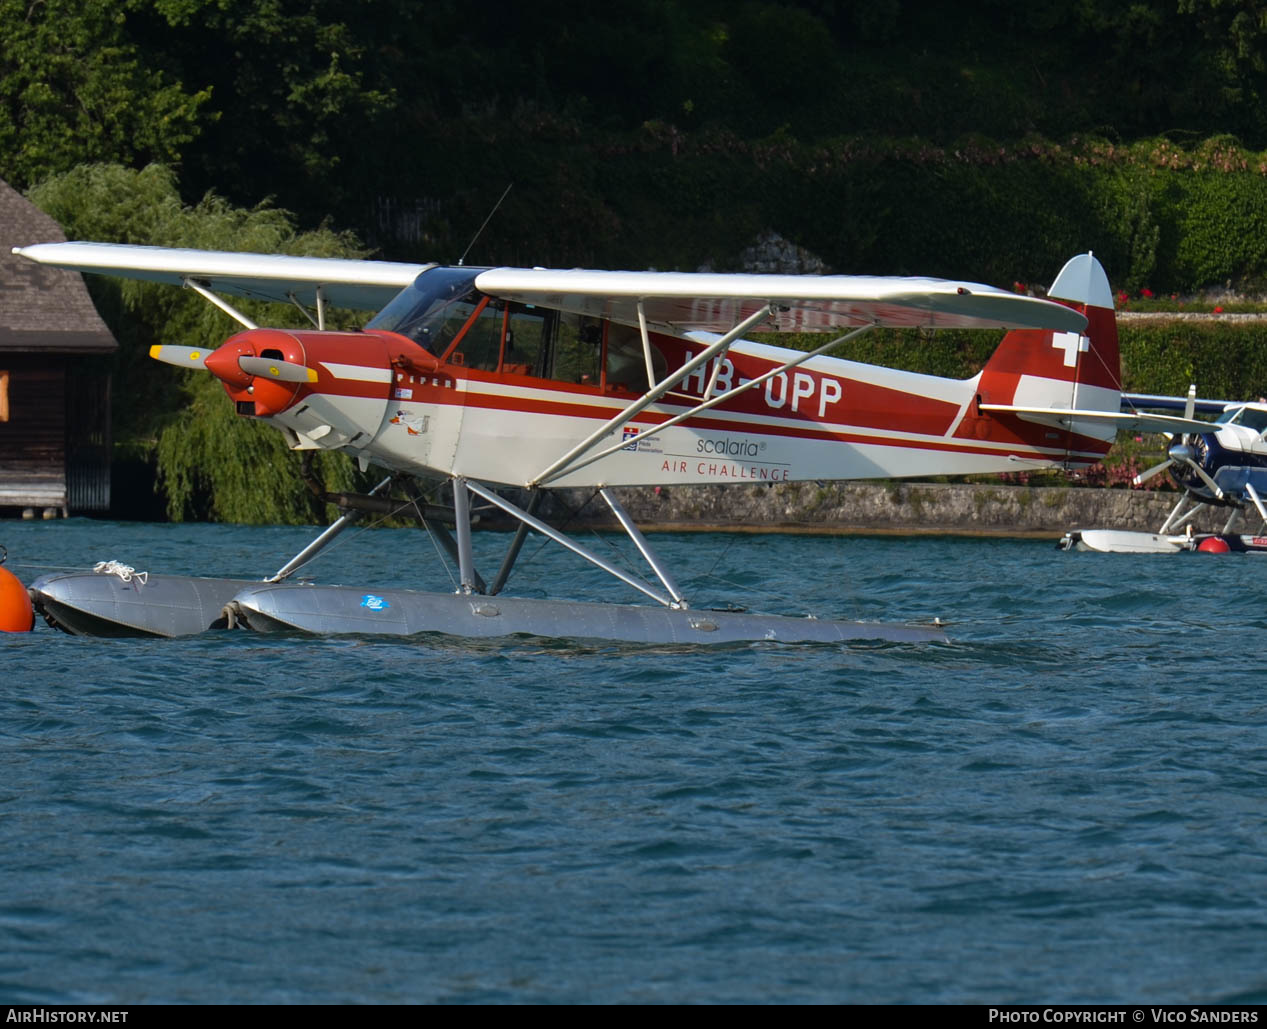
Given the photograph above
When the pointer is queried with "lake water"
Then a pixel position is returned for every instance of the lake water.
(1067, 802)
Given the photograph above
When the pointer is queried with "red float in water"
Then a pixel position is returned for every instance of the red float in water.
(1213, 545)
(16, 613)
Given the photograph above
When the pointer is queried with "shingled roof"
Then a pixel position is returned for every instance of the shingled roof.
(42, 310)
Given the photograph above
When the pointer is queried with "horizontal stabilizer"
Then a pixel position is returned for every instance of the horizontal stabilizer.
(1063, 417)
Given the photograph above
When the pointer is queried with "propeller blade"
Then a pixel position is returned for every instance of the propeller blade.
(1189, 406)
(181, 357)
(271, 368)
(1201, 474)
(1148, 473)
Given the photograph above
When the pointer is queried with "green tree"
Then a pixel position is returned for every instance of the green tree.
(300, 92)
(75, 87)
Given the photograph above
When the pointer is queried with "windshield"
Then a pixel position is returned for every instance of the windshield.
(1252, 417)
(433, 309)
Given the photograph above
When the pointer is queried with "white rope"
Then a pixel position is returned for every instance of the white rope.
(125, 572)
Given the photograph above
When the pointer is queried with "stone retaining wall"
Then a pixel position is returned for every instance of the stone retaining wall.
(899, 507)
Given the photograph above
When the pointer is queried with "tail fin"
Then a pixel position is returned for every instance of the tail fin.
(1035, 370)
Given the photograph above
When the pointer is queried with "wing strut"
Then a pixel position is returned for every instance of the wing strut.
(535, 523)
(644, 548)
(717, 349)
(512, 552)
(734, 391)
(318, 323)
(646, 345)
(462, 524)
(224, 305)
(1258, 502)
(1179, 516)
(322, 541)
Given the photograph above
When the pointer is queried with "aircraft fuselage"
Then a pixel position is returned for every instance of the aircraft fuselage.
(384, 398)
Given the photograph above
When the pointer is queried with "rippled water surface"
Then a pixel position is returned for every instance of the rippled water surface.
(1068, 802)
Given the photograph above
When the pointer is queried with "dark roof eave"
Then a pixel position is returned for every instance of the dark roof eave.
(28, 342)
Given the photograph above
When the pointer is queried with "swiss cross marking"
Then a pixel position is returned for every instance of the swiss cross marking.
(1072, 344)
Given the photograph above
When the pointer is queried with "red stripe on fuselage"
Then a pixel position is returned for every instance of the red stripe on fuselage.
(818, 396)
(860, 405)
(528, 405)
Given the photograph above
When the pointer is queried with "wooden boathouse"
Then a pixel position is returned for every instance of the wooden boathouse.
(55, 359)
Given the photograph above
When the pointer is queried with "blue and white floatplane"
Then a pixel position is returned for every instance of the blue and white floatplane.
(1219, 466)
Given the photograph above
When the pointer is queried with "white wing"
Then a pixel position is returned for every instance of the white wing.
(363, 285)
(686, 301)
(678, 301)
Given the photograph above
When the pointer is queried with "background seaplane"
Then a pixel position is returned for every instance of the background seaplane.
(1219, 465)
(541, 379)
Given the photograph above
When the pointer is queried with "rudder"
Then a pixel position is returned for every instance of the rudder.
(1064, 370)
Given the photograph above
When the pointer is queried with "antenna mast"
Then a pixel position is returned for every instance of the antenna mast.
(462, 259)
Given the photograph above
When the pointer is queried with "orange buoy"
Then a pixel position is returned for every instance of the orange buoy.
(1213, 545)
(16, 613)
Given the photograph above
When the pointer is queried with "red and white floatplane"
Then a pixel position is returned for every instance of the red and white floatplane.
(525, 380)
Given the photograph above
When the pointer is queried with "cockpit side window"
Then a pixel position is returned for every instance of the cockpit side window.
(578, 346)
(526, 343)
(626, 362)
(504, 337)
(1256, 420)
(478, 345)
